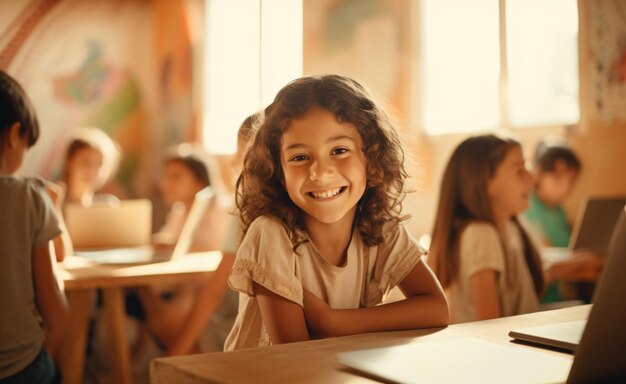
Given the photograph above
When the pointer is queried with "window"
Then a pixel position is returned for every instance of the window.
(253, 48)
(489, 64)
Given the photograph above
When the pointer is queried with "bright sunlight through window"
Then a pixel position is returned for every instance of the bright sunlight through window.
(253, 48)
(462, 84)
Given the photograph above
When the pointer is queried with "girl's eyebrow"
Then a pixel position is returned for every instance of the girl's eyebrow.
(330, 140)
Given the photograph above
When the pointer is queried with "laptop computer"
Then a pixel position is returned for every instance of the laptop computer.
(146, 253)
(599, 341)
(110, 224)
(600, 354)
(592, 229)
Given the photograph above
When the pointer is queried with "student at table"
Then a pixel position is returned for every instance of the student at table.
(213, 313)
(482, 254)
(91, 160)
(556, 169)
(33, 308)
(169, 309)
(320, 199)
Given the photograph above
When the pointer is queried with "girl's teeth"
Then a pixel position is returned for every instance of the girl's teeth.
(326, 194)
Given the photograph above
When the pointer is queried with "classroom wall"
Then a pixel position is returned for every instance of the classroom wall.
(123, 66)
(375, 42)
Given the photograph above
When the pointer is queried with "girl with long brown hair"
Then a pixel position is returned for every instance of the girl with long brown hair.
(320, 200)
(480, 251)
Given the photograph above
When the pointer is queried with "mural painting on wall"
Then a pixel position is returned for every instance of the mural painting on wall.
(364, 39)
(90, 64)
(608, 36)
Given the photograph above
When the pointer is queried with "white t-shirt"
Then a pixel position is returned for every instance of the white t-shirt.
(266, 257)
(481, 249)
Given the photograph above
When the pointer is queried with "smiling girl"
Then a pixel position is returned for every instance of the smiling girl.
(320, 199)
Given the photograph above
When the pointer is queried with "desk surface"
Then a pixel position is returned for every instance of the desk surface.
(79, 273)
(314, 361)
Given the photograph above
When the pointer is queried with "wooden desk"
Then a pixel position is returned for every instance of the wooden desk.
(82, 278)
(314, 361)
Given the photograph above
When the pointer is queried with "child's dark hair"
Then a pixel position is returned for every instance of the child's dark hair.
(548, 153)
(464, 199)
(192, 158)
(260, 188)
(15, 107)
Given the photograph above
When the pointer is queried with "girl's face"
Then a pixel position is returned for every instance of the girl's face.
(179, 184)
(510, 187)
(324, 166)
(85, 166)
(554, 186)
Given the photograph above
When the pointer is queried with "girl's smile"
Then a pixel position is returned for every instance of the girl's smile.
(326, 195)
(324, 166)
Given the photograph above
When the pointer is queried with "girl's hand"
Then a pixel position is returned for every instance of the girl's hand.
(582, 266)
(318, 315)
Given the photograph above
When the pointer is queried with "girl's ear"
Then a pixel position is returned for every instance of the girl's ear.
(14, 137)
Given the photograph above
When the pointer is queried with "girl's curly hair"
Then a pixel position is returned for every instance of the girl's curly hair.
(260, 187)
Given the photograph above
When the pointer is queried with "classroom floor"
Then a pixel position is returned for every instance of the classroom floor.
(98, 366)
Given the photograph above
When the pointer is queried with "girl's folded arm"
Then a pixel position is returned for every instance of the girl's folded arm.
(425, 306)
(283, 318)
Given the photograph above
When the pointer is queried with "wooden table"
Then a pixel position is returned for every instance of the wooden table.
(315, 362)
(82, 278)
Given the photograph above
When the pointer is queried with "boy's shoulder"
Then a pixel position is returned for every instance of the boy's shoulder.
(22, 183)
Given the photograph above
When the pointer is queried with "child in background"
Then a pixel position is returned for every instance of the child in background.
(91, 159)
(482, 255)
(556, 170)
(214, 311)
(168, 307)
(34, 310)
(186, 173)
(320, 199)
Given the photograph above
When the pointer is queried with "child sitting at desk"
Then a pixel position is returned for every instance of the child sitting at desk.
(556, 169)
(167, 308)
(30, 222)
(91, 159)
(481, 252)
(320, 199)
(186, 173)
(215, 308)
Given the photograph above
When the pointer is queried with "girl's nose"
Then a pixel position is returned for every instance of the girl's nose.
(319, 170)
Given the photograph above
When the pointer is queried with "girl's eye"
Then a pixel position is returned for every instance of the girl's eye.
(298, 158)
(339, 151)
